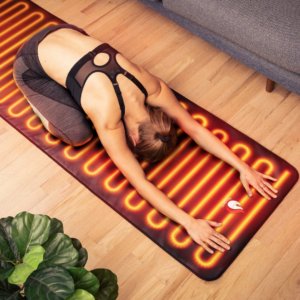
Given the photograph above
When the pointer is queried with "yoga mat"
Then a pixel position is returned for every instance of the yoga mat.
(198, 182)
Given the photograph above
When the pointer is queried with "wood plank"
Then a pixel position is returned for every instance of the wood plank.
(268, 267)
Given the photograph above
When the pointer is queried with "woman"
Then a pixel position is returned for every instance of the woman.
(58, 70)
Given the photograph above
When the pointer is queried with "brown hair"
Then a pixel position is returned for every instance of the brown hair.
(150, 146)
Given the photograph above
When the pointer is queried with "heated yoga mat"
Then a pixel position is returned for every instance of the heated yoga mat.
(198, 182)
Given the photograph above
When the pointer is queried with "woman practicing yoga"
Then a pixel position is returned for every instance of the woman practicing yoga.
(66, 75)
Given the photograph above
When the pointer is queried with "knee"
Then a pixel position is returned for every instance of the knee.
(80, 136)
(81, 140)
(74, 136)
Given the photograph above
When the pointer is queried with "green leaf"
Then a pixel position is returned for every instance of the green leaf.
(6, 286)
(4, 273)
(30, 263)
(5, 265)
(49, 284)
(56, 226)
(5, 233)
(10, 295)
(29, 230)
(20, 274)
(34, 257)
(59, 252)
(7, 290)
(81, 295)
(108, 284)
(83, 255)
(5, 252)
(85, 280)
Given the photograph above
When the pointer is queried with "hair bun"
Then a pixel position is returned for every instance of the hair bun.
(164, 139)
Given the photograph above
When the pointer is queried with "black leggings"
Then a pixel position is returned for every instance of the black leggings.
(53, 103)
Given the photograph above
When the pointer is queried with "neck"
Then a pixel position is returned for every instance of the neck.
(134, 117)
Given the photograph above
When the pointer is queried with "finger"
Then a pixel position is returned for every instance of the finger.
(206, 247)
(262, 192)
(211, 243)
(270, 186)
(221, 237)
(269, 177)
(213, 223)
(246, 186)
(221, 243)
(265, 187)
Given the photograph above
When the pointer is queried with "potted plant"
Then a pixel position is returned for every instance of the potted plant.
(38, 261)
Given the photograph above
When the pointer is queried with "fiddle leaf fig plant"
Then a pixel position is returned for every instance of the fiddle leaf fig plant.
(39, 261)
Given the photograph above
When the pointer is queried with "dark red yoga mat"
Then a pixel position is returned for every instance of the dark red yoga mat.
(198, 182)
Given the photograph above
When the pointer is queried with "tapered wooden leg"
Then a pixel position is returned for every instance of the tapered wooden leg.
(270, 85)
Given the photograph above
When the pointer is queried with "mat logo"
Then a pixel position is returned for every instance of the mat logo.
(233, 206)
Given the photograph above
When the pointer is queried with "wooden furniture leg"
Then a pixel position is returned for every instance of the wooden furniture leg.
(270, 85)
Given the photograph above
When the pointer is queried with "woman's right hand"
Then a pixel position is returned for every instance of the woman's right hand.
(201, 232)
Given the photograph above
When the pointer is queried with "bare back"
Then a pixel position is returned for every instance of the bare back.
(60, 50)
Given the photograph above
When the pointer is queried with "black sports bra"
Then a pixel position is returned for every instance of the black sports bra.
(85, 67)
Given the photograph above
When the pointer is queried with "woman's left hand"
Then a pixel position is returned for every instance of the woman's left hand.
(248, 175)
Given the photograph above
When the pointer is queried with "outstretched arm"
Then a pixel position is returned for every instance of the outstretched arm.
(168, 102)
(114, 142)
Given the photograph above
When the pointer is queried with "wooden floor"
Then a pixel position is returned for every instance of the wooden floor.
(269, 266)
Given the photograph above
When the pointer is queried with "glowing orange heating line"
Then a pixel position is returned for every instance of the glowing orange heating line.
(23, 20)
(180, 148)
(245, 198)
(225, 134)
(48, 134)
(153, 172)
(119, 186)
(144, 164)
(254, 211)
(24, 29)
(30, 126)
(5, 2)
(153, 211)
(192, 172)
(138, 206)
(219, 184)
(211, 262)
(158, 168)
(179, 166)
(39, 126)
(215, 210)
(8, 61)
(16, 104)
(80, 153)
(7, 85)
(200, 184)
(91, 160)
(184, 105)
(28, 36)
(9, 95)
(5, 74)
(26, 6)
(182, 182)
(165, 162)
(204, 120)
(177, 230)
